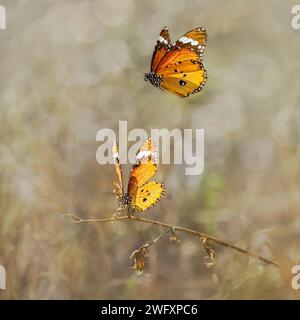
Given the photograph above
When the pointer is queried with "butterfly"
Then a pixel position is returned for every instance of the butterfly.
(141, 194)
(178, 68)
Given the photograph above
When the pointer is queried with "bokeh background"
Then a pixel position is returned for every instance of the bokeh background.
(68, 69)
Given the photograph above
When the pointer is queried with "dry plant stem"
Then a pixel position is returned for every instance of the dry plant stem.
(177, 228)
(150, 243)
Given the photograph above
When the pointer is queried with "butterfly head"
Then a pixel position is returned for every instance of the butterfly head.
(153, 78)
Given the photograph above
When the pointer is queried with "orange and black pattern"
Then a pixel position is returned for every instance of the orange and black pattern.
(178, 68)
(141, 194)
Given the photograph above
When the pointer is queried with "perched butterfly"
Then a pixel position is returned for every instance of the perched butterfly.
(178, 68)
(141, 194)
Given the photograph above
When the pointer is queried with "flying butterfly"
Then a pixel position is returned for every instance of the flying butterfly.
(178, 68)
(141, 194)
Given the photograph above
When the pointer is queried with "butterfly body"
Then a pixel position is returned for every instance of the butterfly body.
(178, 68)
(141, 194)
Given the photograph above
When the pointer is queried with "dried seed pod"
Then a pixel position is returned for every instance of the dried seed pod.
(210, 259)
(138, 257)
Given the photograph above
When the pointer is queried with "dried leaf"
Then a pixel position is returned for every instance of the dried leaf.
(138, 257)
(210, 259)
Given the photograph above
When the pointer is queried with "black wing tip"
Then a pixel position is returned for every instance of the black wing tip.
(201, 29)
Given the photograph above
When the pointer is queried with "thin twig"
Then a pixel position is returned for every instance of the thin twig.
(150, 243)
(141, 253)
(180, 229)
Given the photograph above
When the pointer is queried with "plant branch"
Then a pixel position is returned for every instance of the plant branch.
(150, 243)
(199, 234)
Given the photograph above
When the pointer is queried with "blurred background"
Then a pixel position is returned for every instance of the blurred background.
(68, 69)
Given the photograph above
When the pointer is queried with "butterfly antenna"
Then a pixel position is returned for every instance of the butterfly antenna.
(106, 193)
(132, 70)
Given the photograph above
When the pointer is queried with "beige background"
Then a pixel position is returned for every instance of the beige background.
(66, 72)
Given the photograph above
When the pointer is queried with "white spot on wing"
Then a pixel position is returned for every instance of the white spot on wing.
(186, 40)
(161, 39)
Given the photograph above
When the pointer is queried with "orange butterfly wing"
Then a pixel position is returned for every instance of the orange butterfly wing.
(194, 39)
(140, 174)
(143, 194)
(161, 48)
(181, 68)
(144, 168)
(147, 195)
